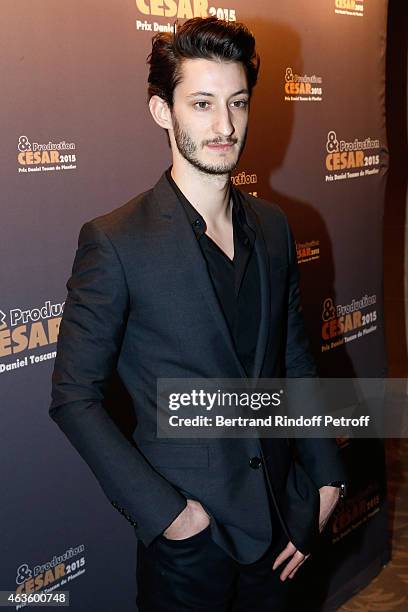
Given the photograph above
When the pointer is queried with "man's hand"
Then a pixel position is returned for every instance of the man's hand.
(291, 568)
(329, 496)
(190, 521)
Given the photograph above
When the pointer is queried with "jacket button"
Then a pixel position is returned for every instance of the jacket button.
(255, 462)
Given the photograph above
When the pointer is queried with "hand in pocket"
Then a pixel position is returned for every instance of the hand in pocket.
(191, 521)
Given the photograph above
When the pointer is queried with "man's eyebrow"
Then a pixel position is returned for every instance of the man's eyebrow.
(200, 93)
(210, 95)
(241, 91)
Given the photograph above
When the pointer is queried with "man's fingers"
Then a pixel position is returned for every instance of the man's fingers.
(296, 568)
(294, 571)
(292, 565)
(285, 554)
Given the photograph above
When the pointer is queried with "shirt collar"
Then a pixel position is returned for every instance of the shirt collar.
(245, 234)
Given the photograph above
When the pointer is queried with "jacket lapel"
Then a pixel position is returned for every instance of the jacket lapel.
(191, 256)
(264, 276)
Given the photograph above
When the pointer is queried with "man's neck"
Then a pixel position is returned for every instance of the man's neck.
(208, 193)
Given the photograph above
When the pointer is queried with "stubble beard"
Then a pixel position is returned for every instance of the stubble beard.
(188, 149)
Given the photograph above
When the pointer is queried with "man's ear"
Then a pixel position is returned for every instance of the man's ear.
(160, 112)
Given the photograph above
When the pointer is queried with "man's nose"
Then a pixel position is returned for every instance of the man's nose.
(223, 123)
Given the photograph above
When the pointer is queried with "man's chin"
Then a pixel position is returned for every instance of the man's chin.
(216, 168)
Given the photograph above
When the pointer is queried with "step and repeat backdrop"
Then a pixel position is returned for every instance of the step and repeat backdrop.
(78, 141)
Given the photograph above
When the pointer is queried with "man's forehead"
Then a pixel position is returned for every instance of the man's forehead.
(203, 75)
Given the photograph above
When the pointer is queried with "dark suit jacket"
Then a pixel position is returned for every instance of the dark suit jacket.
(140, 301)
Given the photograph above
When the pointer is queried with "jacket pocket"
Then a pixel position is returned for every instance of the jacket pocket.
(194, 539)
(180, 456)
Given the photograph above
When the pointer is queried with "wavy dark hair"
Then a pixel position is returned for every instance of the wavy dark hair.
(205, 38)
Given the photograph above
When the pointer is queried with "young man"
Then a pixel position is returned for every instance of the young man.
(195, 279)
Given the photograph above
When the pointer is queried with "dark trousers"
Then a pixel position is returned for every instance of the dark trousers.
(196, 574)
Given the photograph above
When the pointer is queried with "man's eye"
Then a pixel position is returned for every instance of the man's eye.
(202, 104)
(240, 103)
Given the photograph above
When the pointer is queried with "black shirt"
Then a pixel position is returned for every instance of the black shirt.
(236, 282)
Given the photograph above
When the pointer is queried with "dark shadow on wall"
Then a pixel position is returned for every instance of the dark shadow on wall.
(270, 133)
(396, 192)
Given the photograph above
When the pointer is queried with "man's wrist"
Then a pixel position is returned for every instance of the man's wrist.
(341, 485)
(175, 517)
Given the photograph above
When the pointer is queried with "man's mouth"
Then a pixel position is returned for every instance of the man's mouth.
(223, 146)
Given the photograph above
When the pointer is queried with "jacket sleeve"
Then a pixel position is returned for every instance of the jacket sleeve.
(320, 457)
(89, 343)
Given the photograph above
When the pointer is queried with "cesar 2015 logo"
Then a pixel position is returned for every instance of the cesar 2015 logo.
(183, 9)
(343, 155)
